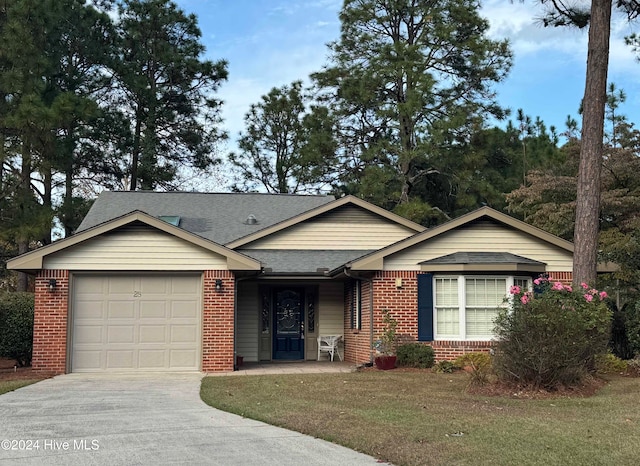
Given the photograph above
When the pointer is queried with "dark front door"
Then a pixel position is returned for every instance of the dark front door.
(288, 318)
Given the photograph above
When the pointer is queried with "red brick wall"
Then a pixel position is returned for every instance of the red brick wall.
(50, 322)
(564, 277)
(218, 322)
(357, 341)
(402, 302)
(450, 350)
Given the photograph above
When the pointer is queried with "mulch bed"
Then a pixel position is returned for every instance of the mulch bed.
(9, 371)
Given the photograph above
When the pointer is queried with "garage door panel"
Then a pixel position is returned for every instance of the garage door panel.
(120, 310)
(154, 309)
(87, 360)
(119, 285)
(120, 334)
(93, 309)
(182, 358)
(151, 359)
(89, 335)
(154, 285)
(115, 329)
(184, 334)
(122, 359)
(184, 309)
(153, 334)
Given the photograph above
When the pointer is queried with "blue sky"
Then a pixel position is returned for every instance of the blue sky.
(271, 43)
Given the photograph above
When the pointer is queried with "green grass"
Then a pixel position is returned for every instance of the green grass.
(407, 418)
(11, 385)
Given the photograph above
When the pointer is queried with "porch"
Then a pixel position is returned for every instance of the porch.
(280, 320)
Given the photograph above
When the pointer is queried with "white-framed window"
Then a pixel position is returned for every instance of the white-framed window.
(465, 306)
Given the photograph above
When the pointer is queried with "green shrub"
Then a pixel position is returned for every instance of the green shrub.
(633, 367)
(551, 338)
(479, 365)
(633, 327)
(415, 355)
(16, 326)
(445, 367)
(610, 364)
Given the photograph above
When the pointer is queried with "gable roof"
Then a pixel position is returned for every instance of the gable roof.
(296, 219)
(375, 260)
(218, 217)
(33, 260)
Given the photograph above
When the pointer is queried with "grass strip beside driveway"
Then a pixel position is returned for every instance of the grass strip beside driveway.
(11, 385)
(423, 418)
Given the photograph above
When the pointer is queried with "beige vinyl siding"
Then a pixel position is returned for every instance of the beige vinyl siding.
(331, 314)
(484, 236)
(135, 248)
(349, 228)
(247, 331)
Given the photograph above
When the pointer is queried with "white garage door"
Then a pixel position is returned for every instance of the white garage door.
(136, 323)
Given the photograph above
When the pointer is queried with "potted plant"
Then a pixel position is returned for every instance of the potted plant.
(386, 346)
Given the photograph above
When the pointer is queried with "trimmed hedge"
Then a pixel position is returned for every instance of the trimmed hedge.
(16, 326)
(415, 355)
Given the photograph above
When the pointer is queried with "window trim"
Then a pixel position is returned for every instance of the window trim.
(462, 305)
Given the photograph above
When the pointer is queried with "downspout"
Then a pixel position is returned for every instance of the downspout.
(370, 281)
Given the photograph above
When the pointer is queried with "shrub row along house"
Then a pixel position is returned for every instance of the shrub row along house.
(188, 281)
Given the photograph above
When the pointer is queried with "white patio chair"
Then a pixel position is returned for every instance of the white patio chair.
(329, 344)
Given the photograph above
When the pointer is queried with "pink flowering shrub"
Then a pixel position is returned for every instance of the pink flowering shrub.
(550, 337)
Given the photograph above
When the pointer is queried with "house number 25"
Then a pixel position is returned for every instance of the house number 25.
(137, 294)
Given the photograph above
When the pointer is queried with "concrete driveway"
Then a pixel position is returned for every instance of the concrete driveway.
(144, 419)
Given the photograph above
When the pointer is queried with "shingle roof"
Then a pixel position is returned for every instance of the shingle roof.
(302, 261)
(481, 258)
(219, 217)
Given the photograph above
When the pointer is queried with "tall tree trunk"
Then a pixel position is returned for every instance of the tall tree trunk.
(47, 176)
(588, 197)
(68, 198)
(135, 157)
(24, 189)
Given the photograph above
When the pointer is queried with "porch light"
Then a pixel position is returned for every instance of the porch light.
(52, 284)
(399, 282)
(218, 285)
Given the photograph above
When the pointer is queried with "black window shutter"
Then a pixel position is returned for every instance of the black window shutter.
(352, 307)
(425, 307)
(359, 310)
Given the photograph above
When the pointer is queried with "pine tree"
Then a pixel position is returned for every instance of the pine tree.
(168, 92)
(402, 77)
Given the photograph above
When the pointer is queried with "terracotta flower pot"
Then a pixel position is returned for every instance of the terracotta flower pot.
(384, 363)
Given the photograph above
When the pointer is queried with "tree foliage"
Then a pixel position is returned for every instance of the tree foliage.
(70, 73)
(168, 91)
(287, 146)
(402, 77)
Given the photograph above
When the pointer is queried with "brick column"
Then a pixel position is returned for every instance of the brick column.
(218, 322)
(50, 322)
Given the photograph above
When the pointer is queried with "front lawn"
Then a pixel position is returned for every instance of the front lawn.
(412, 418)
